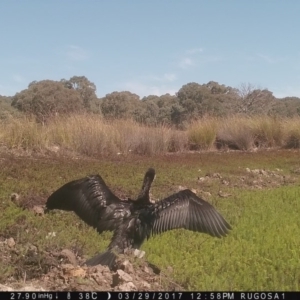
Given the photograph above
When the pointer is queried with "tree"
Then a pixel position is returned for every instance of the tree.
(255, 100)
(147, 112)
(47, 98)
(6, 110)
(119, 105)
(157, 109)
(86, 90)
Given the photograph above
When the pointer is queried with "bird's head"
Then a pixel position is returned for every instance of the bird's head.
(150, 175)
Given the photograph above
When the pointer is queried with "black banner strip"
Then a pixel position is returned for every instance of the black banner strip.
(15, 295)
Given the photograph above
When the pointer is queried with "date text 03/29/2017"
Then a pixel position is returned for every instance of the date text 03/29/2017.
(148, 295)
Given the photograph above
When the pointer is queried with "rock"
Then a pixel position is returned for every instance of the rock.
(255, 171)
(107, 274)
(126, 287)
(98, 269)
(70, 270)
(10, 242)
(5, 288)
(223, 195)
(66, 267)
(127, 267)
(138, 253)
(216, 175)
(78, 272)
(181, 188)
(148, 270)
(201, 179)
(38, 210)
(225, 182)
(69, 255)
(54, 149)
(248, 170)
(100, 280)
(120, 277)
(30, 288)
(26, 288)
(146, 285)
(50, 235)
(14, 197)
(263, 172)
(101, 275)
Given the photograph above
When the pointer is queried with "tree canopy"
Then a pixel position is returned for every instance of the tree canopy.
(47, 98)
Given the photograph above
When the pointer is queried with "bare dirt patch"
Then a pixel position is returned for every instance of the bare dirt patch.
(62, 270)
(248, 178)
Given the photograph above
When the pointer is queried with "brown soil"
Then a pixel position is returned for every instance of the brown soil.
(61, 270)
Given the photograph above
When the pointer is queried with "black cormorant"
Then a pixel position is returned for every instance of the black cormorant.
(133, 221)
(180, 210)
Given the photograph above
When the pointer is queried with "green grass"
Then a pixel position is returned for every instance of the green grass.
(261, 253)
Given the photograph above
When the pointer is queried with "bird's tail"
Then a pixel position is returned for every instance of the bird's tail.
(106, 259)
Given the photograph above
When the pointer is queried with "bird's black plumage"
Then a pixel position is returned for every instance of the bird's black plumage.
(180, 210)
(144, 197)
(92, 200)
(133, 221)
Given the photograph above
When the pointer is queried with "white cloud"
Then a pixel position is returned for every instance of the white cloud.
(266, 58)
(185, 63)
(169, 77)
(269, 59)
(194, 50)
(189, 59)
(76, 53)
(209, 59)
(18, 78)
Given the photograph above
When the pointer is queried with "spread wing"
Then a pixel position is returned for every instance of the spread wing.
(181, 210)
(92, 201)
(186, 210)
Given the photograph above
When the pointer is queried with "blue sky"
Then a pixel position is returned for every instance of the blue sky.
(151, 47)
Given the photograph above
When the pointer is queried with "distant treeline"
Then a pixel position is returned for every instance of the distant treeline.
(47, 98)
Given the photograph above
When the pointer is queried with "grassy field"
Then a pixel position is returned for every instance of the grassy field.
(261, 253)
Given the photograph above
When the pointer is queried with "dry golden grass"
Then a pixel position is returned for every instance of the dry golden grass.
(291, 128)
(91, 135)
(267, 131)
(202, 133)
(236, 132)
